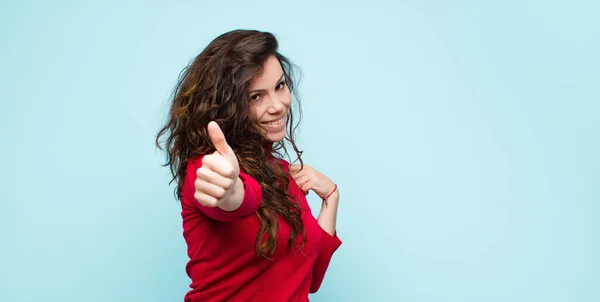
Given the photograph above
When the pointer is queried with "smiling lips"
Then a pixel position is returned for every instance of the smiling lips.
(275, 122)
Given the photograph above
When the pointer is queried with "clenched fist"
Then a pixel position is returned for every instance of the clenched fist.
(217, 177)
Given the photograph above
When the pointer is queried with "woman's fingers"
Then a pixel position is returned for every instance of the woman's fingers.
(205, 199)
(213, 177)
(309, 185)
(302, 180)
(218, 163)
(294, 168)
(210, 189)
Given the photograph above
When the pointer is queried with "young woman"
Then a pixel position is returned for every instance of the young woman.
(250, 233)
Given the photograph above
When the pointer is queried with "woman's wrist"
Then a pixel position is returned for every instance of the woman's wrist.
(333, 195)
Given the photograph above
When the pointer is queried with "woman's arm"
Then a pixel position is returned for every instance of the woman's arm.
(308, 178)
(243, 202)
(329, 240)
(220, 189)
(328, 215)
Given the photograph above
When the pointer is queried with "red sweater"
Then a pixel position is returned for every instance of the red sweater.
(223, 263)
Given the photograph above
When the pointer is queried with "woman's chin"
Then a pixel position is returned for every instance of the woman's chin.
(275, 137)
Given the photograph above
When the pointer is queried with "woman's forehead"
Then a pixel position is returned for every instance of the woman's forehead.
(271, 75)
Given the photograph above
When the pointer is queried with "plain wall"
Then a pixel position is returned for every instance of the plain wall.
(463, 136)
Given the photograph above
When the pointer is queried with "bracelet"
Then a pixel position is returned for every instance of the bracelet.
(328, 195)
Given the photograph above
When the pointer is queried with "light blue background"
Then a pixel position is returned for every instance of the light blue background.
(463, 136)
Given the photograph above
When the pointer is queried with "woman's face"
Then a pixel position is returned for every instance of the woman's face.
(270, 100)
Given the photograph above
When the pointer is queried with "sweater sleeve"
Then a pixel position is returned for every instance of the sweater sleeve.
(250, 203)
(329, 245)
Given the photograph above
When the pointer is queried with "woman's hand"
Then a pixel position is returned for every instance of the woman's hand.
(310, 179)
(218, 176)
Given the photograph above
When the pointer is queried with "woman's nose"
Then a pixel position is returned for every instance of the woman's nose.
(276, 104)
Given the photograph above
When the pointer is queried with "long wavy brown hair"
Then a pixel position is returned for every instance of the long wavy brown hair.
(214, 87)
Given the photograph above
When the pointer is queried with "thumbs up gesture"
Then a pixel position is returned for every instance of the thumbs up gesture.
(216, 179)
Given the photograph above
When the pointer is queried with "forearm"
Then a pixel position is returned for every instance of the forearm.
(330, 243)
(328, 215)
(232, 201)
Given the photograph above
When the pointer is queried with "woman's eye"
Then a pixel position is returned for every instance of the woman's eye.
(280, 85)
(255, 97)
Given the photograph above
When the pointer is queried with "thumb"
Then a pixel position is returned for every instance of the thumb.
(295, 168)
(218, 139)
